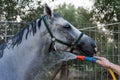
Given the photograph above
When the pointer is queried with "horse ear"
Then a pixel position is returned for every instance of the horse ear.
(47, 11)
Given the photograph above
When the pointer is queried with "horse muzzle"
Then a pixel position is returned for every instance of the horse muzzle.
(86, 49)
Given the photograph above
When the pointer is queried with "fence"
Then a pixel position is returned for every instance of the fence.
(8, 29)
(108, 42)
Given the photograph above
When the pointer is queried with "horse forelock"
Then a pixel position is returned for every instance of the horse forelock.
(56, 15)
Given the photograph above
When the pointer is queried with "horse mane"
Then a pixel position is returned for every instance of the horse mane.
(2, 47)
(17, 39)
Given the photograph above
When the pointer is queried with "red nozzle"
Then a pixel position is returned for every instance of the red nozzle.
(90, 59)
(80, 58)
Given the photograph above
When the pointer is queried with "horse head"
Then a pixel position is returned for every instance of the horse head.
(65, 37)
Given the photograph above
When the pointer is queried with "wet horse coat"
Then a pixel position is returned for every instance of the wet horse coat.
(28, 54)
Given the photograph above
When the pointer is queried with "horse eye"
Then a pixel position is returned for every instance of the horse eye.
(67, 26)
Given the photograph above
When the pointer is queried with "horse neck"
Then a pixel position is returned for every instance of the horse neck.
(29, 54)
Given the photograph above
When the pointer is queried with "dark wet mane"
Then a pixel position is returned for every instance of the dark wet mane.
(2, 47)
(17, 39)
(30, 27)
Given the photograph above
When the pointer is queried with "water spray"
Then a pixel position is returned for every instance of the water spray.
(60, 56)
(91, 59)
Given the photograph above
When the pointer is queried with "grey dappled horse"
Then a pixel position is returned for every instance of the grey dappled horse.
(34, 52)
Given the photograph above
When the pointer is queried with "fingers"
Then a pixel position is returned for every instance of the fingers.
(98, 57)
(102, 61)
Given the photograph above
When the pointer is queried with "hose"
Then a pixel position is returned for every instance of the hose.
(91, 59)
(112, 74)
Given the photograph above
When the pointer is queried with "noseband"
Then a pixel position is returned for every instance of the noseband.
(54, 39)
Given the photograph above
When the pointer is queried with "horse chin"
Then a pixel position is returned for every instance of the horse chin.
(82, 52)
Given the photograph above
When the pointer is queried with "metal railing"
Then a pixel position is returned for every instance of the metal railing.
(8, 29)
(107, 37)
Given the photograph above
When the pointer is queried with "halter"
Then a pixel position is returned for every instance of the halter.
(54, 39)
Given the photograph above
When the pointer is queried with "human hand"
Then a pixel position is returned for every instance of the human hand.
(103, 61)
